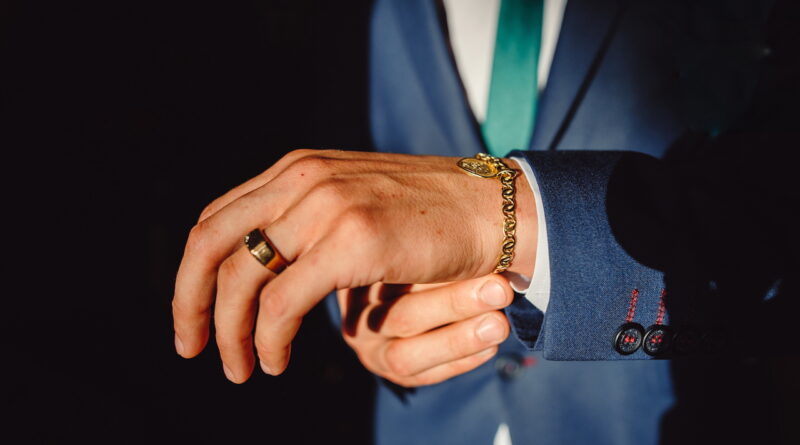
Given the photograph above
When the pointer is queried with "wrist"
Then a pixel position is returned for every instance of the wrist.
(495, 221)
(527, 224)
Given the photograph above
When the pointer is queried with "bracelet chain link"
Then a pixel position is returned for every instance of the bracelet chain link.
(488, 166)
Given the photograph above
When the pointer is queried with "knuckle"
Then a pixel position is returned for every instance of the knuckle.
(331, 192)
(262, 347)
(360, 221)
(229, 271)
(313, 164)
(305, 152)
(299, 153)
(460, 303)
(396, 361)
(288, 160)
(460, 345)
(181, 309)
(260, 343)
(208, 210)
(197, 237)
(178, 307)
(274, 304)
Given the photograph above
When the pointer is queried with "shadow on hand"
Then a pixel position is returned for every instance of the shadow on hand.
(358, 302)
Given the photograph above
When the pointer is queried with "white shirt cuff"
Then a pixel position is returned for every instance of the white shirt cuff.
(536, 288)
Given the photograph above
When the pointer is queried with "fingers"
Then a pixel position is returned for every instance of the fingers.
(407, 348)
(240, 279)
(407, 357)
(209, 244)
(218, 235)
(421, 311)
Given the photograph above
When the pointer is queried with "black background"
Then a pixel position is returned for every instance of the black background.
(121, 120)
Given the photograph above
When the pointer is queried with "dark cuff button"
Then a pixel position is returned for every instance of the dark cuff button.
(657, 340)
(628, 338)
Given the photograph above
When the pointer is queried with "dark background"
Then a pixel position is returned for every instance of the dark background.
(120, 121)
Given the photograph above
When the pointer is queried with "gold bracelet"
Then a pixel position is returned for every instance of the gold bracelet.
(487, 166)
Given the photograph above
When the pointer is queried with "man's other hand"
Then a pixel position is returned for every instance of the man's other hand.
(422, 334)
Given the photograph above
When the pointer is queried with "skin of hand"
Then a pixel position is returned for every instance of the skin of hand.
(422, 334)
(344, 220)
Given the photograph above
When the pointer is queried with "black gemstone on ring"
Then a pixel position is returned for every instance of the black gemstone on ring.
(253, 239)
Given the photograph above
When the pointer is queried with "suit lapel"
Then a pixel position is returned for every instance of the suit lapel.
(586, 31)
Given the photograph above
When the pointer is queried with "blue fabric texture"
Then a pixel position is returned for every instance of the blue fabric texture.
(588, 267)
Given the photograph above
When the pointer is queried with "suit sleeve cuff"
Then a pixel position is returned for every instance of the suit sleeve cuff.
(535, 287)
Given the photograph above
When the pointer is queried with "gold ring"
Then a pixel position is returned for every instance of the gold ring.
(264, 252)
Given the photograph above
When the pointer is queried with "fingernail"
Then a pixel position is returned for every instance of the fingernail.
(265, 368)
(228, 373)
(490, 330)
(492, 293)
(178, 345)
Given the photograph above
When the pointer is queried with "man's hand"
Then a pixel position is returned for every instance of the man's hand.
(344, 220)
(425, 334)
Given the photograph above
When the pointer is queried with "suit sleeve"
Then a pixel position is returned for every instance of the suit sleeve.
(657, 258)
(702, 242)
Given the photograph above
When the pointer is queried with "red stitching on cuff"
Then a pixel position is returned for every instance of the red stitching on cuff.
(661, 308)
(632, 305)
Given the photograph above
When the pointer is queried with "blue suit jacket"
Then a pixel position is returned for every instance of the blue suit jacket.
(657, 150)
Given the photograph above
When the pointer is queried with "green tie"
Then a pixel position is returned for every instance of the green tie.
(512, 94)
